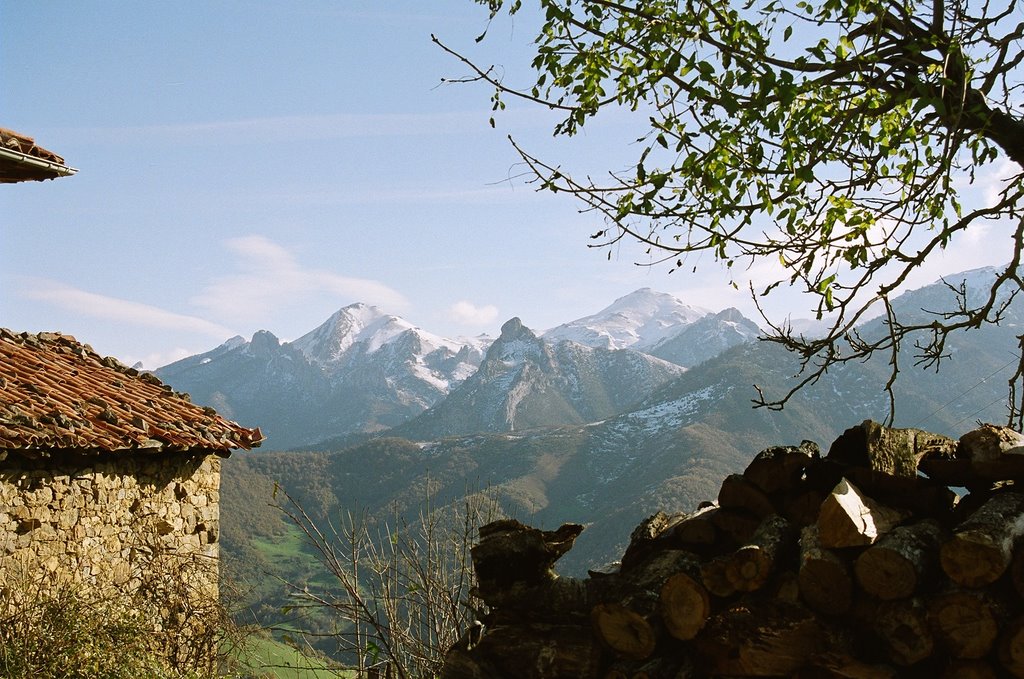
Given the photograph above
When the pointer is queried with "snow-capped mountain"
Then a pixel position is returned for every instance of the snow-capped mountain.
(360, 371)
(639, 321)
(525, 381)
(706, 338)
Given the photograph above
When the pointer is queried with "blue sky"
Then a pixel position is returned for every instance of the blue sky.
(248, 166)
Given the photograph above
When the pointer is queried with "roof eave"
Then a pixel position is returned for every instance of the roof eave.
(57, 169)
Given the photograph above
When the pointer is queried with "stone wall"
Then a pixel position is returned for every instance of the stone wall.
(114, 525)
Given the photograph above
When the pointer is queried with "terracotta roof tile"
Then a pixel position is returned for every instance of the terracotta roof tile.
(56, 393)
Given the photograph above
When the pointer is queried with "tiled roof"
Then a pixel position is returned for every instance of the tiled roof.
(21, 160)
(56, 393)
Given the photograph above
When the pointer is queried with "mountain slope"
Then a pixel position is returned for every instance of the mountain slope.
(706, 338)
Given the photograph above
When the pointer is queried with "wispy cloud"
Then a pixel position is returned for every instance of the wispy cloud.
(470, 314)
(120, 310)
(271, 278)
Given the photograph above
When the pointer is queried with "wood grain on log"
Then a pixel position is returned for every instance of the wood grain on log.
(964, 621)
(685, 606)
(893, 567)
(903, 627)
(848, 518)
(981, 548)
(624, 631)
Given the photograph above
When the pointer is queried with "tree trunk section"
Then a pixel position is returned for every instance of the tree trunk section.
(900, 561)
(965, 622)
(685, 606)
(824, 578)
(981, 548)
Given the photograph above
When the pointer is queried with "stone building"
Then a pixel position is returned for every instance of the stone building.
(109, 480)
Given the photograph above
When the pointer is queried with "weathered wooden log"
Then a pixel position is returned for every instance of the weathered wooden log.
(739, 493)
(965, 622)
(647, 537)
(528, 651)
(685, 606)
(824, 578)
(848, 518)
(511, 555)
(903, 627)
(748, 568)
(760, 638)
(872, 446)
(734, 527)
(969, 669)
(803, 506)
(901, 560)
(981, 547)
(696, 532)
(1011, 647)
(835, 665)
(626, 632)
(779, 468)
(1017, 568)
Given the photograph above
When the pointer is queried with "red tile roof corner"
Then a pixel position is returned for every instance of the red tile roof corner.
(58, 394)
(21, 160)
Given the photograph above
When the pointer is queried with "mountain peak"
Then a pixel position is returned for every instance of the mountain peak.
(639, 320)
(514, 329)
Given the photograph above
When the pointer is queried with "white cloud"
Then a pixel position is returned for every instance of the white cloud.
(271, 278)
(470, 314)
(121, 310)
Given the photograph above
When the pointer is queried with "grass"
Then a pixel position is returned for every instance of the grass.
(268, 658)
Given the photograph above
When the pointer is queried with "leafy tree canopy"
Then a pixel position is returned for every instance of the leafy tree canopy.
(834, 136)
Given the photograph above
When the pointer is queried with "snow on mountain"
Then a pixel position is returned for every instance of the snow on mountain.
(525, 381)
(638, 321)
(366, 329)
(706, 338)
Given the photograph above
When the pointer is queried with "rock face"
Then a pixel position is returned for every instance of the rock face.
(849, 564)
(525, 382)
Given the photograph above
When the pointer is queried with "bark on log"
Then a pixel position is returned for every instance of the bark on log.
(646, 537)
(1017, 569)
(965, 622)
(695, 532)
(511, 554)
(739, 493)
(843, 666)
(849, 518)
(981, 548)
(903, 627)
(534, 651)
(825, 581)
(872, 446)
(779, 468)
(1011, 647)
(734, 527)
(759, 639)
(895, 566)
(969, 669)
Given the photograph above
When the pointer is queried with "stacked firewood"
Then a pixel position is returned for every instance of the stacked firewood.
(895, 554)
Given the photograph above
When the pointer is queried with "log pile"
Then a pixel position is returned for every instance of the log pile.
(859, 563)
